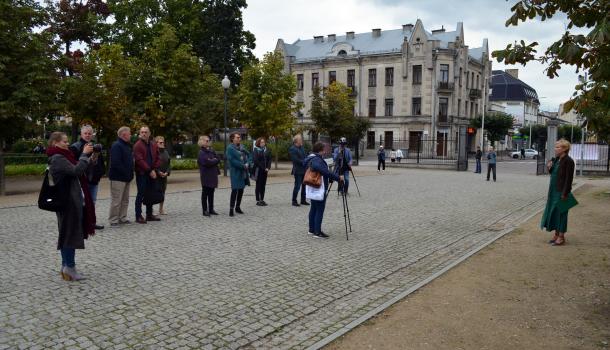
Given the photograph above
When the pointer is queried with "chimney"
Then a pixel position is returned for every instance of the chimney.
(437, 31)
(407, 27)
(513, 72)
(318, 39)
(376, 33)
(332, 37)
(349, 35)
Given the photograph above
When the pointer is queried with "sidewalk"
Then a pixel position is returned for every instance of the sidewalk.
(518, 293)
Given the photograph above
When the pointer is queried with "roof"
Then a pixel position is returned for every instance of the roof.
(505, 87)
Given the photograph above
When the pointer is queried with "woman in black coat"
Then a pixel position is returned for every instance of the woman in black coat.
(208, 170)
(262, 164)
(77, 219)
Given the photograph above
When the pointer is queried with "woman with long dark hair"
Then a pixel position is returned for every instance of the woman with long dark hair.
(262, 164)
(239, 173)
(77, 218)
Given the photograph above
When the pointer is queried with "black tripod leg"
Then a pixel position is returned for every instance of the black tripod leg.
(349, 221)
(355, 182)
(345, 215)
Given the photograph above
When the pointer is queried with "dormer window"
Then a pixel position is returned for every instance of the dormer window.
(342, 53)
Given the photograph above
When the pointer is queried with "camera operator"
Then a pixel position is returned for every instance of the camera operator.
(96, 168)
(342, 158)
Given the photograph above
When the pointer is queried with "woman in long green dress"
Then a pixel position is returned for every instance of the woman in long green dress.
(561, 168)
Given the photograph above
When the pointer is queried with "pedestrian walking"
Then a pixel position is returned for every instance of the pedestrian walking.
(239, 173)
(491, 162)
(316, 212)
(165, 168)
(399, 155)
(297, 156)
(208, 172)
(120, 175)
(76, 221)
(560, 198)
(380, 159)
(522, 153)
(261, 159)
(393, 155)
(96, 168)
(342, 158)
(146, 157)
(477, 158)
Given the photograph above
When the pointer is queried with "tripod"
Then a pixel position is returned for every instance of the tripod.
(346, 217)
(355, 182)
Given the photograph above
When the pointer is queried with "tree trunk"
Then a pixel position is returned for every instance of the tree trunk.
(2, 180)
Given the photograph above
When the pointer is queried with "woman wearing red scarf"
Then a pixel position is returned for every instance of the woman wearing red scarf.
(77, 219)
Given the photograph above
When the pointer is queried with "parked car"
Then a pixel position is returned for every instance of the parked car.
(529, 153)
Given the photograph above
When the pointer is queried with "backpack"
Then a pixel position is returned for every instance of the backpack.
(53, 196)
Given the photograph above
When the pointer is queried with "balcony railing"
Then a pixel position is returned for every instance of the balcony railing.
(475, 93)
(445, 86)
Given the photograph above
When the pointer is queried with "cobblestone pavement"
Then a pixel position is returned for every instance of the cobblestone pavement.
(253, 281)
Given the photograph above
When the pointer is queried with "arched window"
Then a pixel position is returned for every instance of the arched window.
(342, 53)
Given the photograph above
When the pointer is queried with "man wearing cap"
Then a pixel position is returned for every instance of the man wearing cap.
(342, 158)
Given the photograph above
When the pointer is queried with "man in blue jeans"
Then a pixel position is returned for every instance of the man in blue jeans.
(478, 157)
(297, 156)
(491, 165)
(147, 162)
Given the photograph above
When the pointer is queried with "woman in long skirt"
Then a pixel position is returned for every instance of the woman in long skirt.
(561, 168)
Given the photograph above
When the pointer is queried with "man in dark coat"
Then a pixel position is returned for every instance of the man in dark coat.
(477, 158)
(208, 162)
(96, 168)
(147, 162)
(120, 176)
(297, 156)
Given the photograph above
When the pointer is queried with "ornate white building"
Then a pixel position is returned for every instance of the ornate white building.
(409, 82)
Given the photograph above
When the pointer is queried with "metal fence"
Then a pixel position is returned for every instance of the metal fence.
(591, 158)
(443, 152)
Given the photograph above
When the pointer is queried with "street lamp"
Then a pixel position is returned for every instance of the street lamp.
(226, 84)
(485, 90)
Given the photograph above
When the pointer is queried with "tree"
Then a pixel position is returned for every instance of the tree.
(266, 98)
(332, 111)
(496, 125)
(589, 53)
(213, 28)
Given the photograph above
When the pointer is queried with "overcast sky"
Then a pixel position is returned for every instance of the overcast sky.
(294, 19)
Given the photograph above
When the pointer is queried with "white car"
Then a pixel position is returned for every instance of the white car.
(529, 153)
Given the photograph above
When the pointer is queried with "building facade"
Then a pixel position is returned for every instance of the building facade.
(411, 83)
(519, 99)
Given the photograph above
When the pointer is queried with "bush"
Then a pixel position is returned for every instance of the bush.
(24, 169)
(15, 159)
(184, 164)
(26, 146)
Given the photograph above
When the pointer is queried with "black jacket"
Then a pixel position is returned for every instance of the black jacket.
(96, 169)
(121, 162)
(565, 176)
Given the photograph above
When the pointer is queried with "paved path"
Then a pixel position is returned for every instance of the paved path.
(253, 281)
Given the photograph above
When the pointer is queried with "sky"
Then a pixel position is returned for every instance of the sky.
(270, 20)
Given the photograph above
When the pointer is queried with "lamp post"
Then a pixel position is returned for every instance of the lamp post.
(226, 83)
(485, 94)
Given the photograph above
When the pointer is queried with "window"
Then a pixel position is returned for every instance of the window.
(444, 73)
(467, 80)
(388, 139)
(416, 109)
(372, 108)
(460, 77)
(300, 115)
(342, 53)
(459, 106)
(300, 82)
(351, 78)
(443, 104)
(373, 77)
(389, 76)
(417, 75)
(332, 77)
(471, 109)
(466, 108)
(477, 86)
(314, 80)
(370, 140)
(476, 109)
(414, 140)
(472, 80)
(389, 107)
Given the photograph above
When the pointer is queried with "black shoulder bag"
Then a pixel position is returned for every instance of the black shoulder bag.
(53, 196)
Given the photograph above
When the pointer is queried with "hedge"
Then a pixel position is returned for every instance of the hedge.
(192, 150)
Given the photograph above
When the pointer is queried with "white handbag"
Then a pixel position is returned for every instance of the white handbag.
(316, 194)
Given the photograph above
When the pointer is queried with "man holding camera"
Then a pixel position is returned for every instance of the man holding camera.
(96, 168)
(342, 158)
(147, 162)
